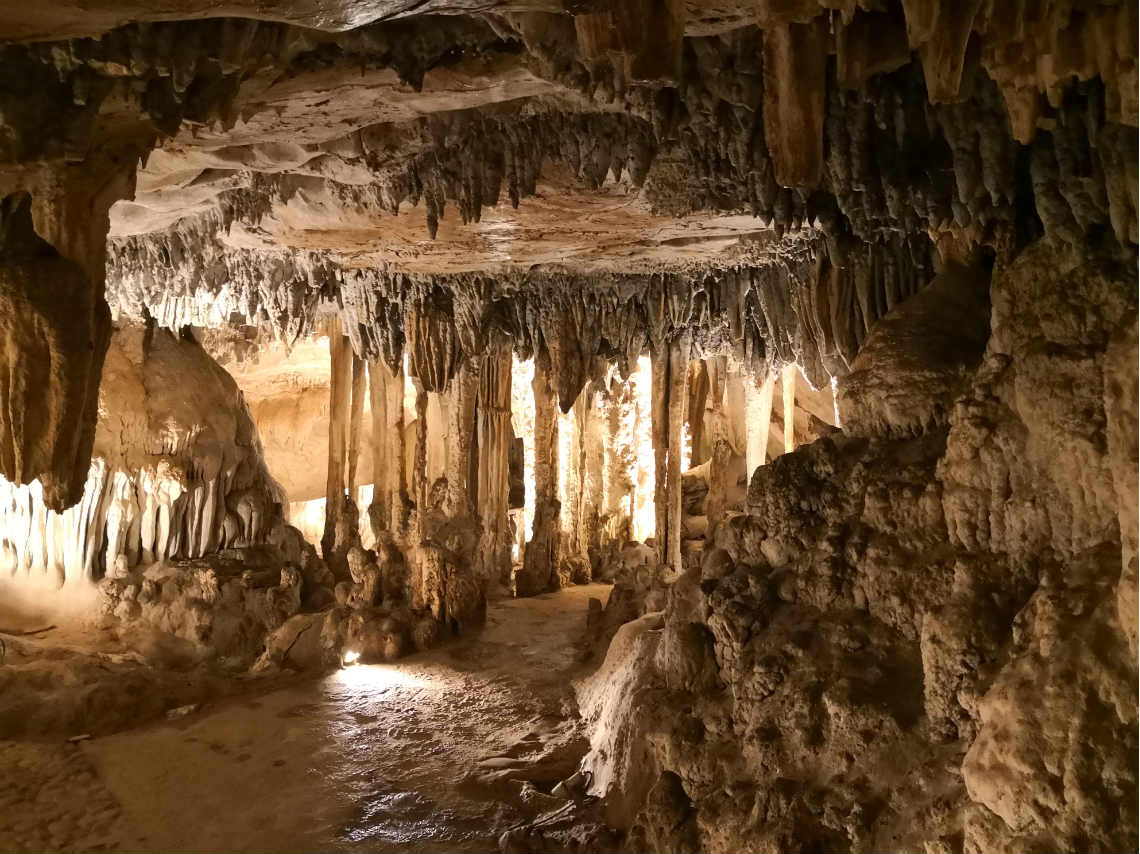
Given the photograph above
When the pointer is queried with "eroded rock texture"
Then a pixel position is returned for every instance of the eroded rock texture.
(177, 470)
(829, 317)
(913, 637)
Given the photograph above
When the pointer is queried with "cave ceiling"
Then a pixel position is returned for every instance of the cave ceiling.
(764, 179)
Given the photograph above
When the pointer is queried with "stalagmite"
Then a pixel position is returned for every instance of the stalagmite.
(717, 497)
(758, 418)
(788, 392)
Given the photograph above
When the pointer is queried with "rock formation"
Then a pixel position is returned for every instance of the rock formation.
(894, 598)
(808, 326)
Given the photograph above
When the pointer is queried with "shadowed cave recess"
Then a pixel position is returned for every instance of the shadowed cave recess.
(568, 425)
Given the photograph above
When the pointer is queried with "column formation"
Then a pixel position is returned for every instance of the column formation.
(389, 510)
(340, 400)
(540, 561)
(494, 436)
(670, 398)
(758, 412)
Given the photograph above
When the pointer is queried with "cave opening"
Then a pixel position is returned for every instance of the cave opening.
(609, 425)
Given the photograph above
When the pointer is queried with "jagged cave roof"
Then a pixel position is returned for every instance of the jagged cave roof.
(587, 178)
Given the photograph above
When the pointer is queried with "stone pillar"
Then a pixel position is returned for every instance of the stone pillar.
(540, 561)
(758, 414)
(378, 510)
(460, 433)
(594, 498)
(340, 382)
(355, 422)
(678, 397)
(390, 494)
(425, 571)
(670, 396)
(493, 482)
(698, 396)
(788, 387)
(420, 485)
(660, 420)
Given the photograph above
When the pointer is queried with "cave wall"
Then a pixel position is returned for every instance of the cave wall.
(921, 631)
(177, 470)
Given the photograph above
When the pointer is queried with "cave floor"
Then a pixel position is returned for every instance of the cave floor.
(440, 751)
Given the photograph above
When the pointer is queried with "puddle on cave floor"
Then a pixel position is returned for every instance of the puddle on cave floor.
(370, 758)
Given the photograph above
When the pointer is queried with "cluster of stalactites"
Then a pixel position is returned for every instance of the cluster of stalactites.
(134, 516)
(191, 70)
(811, 303)
(473, 156)
(884, 157)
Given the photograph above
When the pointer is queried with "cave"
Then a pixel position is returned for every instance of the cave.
(569, 425)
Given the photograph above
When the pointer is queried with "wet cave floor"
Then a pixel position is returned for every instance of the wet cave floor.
(441, 751)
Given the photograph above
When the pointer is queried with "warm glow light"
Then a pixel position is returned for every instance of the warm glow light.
(308, 517)
(369, 679)
(644, 515)
(350, 658)
(409, 393)
(522, 423)
(567, 431)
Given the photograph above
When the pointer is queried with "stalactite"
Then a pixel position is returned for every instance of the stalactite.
(54, 328)
(716, 499)
(432, 346)
(795, 86)
(184, 485)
